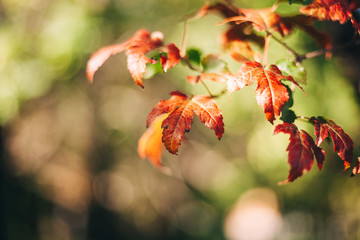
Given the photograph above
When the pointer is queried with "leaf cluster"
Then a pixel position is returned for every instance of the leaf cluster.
(247, 30)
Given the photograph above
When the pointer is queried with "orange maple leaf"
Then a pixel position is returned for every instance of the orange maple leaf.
(270, 93)
(181, 109)
(136, 47)
(150, 144)
(334, 10)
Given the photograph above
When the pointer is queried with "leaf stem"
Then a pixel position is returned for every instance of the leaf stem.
(266, 48)
(207, 89)
(298, 57)
(184, 39)
(186, 60)
(305, 119)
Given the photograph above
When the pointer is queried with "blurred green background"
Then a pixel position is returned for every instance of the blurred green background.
(69, 164)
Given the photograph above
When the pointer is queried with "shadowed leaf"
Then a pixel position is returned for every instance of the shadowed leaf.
(343, 144)
(301, 151)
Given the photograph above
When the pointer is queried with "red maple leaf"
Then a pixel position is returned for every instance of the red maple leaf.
(356, 169)
(182, 109)
(301, 150)
(334, 10)
(173, 57)
(136, 47)
(270, 93)
(262, 20)
(343, 144)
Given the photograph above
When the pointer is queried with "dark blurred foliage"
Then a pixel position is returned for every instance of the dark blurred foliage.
(69, 164)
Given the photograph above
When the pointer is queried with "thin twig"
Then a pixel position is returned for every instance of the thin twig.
(324, 51)
(297, 56)
(207, 88)
(301, 57)
(305, 119)
(220, 93)
(199, 71)
(186, 60)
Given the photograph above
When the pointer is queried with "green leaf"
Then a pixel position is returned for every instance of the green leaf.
(288, 115)
(304, 2)
(194, 56)
(212, 64)
(153, 69)
(297, 71)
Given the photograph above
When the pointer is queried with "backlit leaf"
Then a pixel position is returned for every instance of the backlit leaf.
(262, 19)
(209, 114)
(173, 57)
(176, 124)
(334, 10)
(356, 169)
(182, 109)
(136, 47)
(166, 106)
(343, 144)
(302, 150)
(150, 144)
(271, 94)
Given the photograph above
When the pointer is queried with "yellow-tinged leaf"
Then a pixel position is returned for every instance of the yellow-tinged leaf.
(150, 143)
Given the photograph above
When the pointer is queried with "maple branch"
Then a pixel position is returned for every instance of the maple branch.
(220, 94)
(207, 89)
(301, 57)
(324, 51)
(298, 57)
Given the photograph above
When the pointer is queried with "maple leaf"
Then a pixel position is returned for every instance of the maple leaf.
(173, 57)
(302, 150)
(356, 169)
(262, 20)
(150, 144)
(182, 109)
(136, 47)
(334, 10)
(270, 93)
(237, 37)
(343, 144)
(239, 46)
